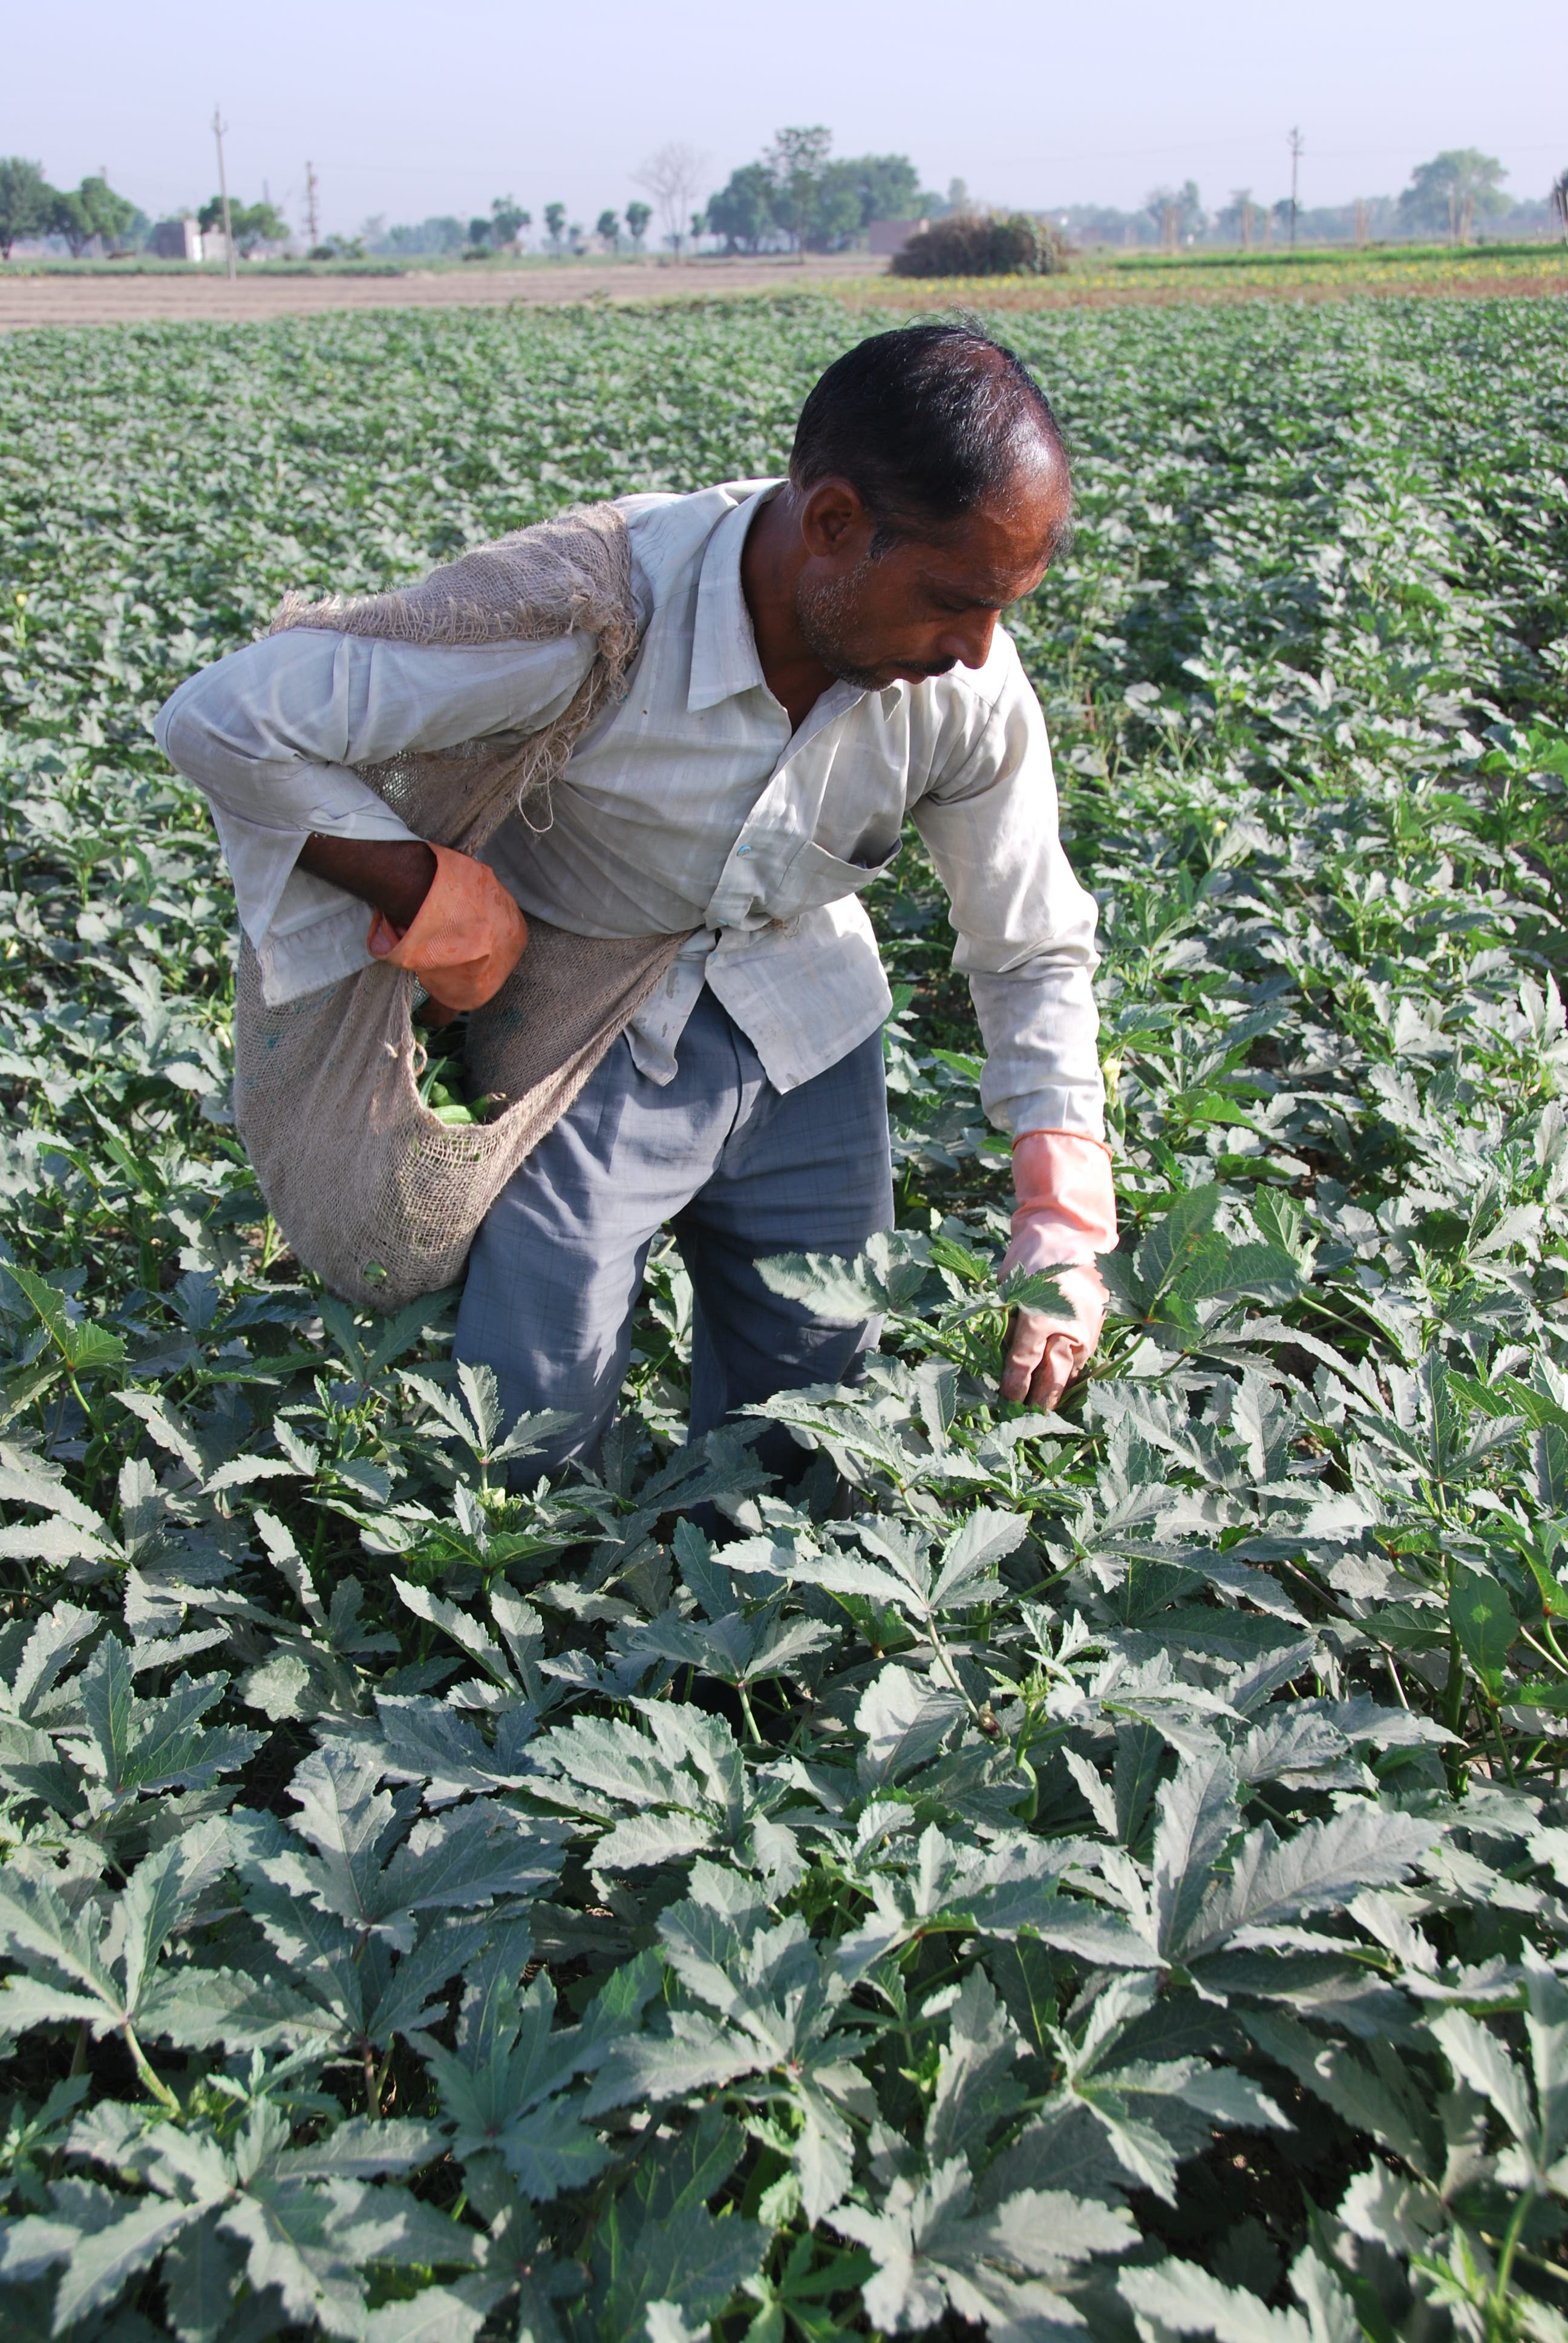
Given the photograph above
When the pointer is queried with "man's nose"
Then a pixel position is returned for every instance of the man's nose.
(969, 639)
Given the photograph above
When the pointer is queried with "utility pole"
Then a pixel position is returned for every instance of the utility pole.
(1297, 143)
(218, 127)
(311, 222)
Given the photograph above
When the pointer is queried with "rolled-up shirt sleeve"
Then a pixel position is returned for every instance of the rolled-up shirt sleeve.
(271, 735)
(1025, 926)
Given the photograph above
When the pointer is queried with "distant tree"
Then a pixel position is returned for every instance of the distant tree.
(24, 197)
(888, 186)
(508, 221)
(819, 204)
(672, 178)
(840, 212)
(91, 210)
(1178, 213)
(479, 232)
(66, 215)
(1237, 220)
(253, 224)
(796, 161)
(607, 227)
(637, 219)
(957, 195)
(1447, 195)
(115, 215)
(741, 212)
(1103, 224)
(256, 224)
(441, 232)
(555, 223)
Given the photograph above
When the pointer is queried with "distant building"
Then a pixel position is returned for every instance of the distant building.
(888, 237)
(176, 239)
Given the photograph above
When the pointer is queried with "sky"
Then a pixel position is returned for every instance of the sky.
(409, 110)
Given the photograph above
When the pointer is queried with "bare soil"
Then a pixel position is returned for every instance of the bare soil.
(173, 296)
(195, 296)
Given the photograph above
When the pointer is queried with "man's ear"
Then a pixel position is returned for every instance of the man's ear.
(834, 524)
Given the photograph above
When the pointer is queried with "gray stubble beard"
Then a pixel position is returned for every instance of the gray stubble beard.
(820, 612)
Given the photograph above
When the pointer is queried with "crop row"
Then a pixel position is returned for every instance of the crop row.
(1117, 1873)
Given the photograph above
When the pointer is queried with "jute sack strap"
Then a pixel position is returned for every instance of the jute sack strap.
(373, 1192)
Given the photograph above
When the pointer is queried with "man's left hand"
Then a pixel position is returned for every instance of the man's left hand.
(1044, 1352)
(1066, 1215)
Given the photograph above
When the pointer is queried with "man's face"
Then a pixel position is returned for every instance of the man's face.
(926, 605)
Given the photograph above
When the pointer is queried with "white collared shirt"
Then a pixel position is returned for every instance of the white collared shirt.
(689, 805)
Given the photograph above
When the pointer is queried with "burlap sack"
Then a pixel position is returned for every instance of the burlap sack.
(374, 1193)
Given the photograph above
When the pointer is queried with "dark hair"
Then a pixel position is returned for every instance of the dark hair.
(926, 422)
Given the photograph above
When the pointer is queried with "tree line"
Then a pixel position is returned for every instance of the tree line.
(1447, 198)
(502, 230)
(29, 205)
(798, 194)
(796, 197)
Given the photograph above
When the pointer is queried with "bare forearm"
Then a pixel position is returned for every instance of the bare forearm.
(393, 876)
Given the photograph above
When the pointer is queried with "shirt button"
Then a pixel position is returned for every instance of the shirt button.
(743, 850)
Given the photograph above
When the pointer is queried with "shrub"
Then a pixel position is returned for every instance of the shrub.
(982, 244)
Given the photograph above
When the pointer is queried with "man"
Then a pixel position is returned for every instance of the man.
(821, 657)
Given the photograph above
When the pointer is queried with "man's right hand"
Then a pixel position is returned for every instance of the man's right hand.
(442, 915)
(392, 875)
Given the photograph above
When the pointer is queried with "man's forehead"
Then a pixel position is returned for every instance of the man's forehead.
(980, 579)
(999, 552)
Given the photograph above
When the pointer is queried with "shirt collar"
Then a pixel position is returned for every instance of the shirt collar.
(724, 659)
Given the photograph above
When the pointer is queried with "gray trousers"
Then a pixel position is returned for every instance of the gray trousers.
(737, 1171)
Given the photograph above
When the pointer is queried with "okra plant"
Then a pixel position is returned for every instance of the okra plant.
(1103, 1871)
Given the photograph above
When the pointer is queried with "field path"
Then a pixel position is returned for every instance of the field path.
(187, 297)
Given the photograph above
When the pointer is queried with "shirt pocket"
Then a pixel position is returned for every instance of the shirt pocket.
(814, 877)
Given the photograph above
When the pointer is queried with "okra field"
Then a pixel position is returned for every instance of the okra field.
(1113, 1874)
